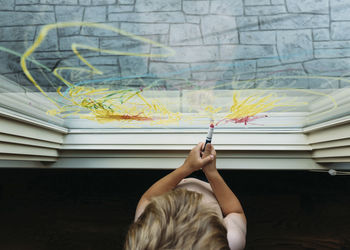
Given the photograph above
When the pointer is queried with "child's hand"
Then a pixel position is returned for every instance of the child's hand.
(209, 150)
(194, 160)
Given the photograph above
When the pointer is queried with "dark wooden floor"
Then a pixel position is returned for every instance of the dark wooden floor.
(91, 209)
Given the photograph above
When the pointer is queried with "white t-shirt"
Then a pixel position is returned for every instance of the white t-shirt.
(234, 222)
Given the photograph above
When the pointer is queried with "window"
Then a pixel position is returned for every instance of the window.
(146, 75)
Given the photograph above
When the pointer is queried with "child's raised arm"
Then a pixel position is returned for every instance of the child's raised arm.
(192, 163)
(228, 201)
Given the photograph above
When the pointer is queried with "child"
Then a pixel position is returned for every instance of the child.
(178, 213)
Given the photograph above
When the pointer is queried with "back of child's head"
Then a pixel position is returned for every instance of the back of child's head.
(177, 220)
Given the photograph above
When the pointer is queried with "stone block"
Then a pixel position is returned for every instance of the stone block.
(266, 62)
(69, 14)
(92, 31)
(210, 75)
(109, 72)
(227, 7)
(294, 46)
(120, 8)
(230, 52)
(320, 34)
(340, 10)
(162, 39)
(103, 2)
(196, 7)
(133, 66)
(285, 76)
(126, 1)
(199, 76)
(332, 53)
(9, 18)
(70, 62)
(289, 76)
(308, 6)
(293, 21)
(185, 34)
(256, 2)
(193, 19)
(258, 37)
(95, 14)
(268, 71)
(277, 2)
(244, 70)
(84, 2)
(332, 45)
(148, 17)
(101, 60)
(229, 75)
(170, 70)
(19, 33)
(35, 8)
(25, 1)
(265, 10)
(328, 67)
(219, 29)
(339, 30)
(66, 42)
(212, 66)
(157, 5)
(280, 83)
(189, 54)
(58, 2)
(7, 4)
(247, 23)
(145, 28)
(124, 44)
(51, 55)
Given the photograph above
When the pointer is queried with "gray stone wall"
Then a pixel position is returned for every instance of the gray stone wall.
(223, 43)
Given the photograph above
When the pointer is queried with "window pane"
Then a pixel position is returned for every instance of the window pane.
(177, 63)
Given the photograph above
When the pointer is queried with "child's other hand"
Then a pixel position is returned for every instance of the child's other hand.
(194, 160)
(209, 150)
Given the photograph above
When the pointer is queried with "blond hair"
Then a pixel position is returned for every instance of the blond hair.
(177, 220)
